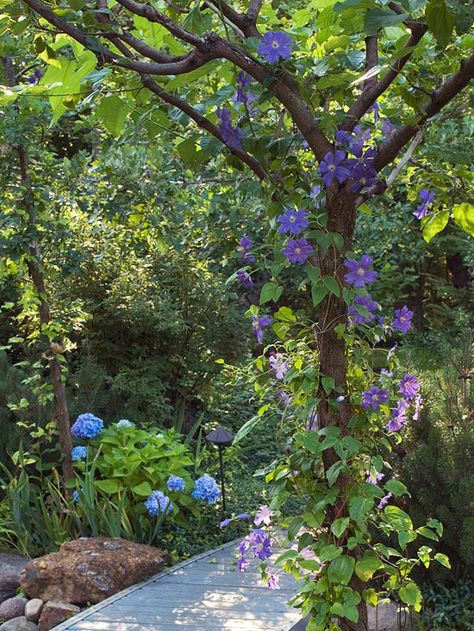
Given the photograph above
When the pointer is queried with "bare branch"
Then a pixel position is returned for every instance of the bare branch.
(254, 10)
(368, 97)
(439, 98)
(202, 122)
(407, 156)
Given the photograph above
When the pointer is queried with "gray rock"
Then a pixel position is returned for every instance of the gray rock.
(54, 613)
(33, 609)
(12, 608)
(18, 624)
(10, 568)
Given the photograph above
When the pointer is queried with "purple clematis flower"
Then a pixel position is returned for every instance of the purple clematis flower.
(243, 564)
(374, 476)
(418, 405)
(293, 221)
(373, 397)
(35, 77)
(314, 195)
(298, 250)
(409, 387)
(243, 248)
(225, 523)
(334, 166)
(427, 198)
(232, 136)
(242, 95)
(279, 365)
(273, 581)
(284, 398)
(245, 278)
(388, 129)
(360, 273)
(364, 175)
(368, 303)
(384, 501)
(376, 110)
(402, 319)
(398, 418)
(343, 137)
(258, 324)
(263, 516)
(275, 46)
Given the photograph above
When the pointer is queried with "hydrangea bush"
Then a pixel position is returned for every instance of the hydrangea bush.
(144, 473)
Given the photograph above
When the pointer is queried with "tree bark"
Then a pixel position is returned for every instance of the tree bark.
(341, 208)
(61, 413)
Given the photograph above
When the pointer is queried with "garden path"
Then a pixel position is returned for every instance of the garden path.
(205, 593)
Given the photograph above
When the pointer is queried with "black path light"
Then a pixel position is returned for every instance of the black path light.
(222, 439)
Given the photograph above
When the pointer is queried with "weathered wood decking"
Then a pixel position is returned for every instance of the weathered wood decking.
(206, 593)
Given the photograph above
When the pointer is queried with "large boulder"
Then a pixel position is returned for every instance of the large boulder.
(90, 570)
(10, 568)
(12, 608)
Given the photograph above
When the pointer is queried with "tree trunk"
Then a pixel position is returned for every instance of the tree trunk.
(61, 413)
(332, 357)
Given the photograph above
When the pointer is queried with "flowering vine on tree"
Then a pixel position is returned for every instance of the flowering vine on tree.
(325, 102)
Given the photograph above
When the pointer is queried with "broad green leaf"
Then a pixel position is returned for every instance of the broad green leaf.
(339, 526)
(333, 472)
(428, 533)
(144, 489)
(443, 559)
(440, 21)
(376, 19)
(434, 224)
(340, 570)
(359, 506)
(396, 487)
(270, 291)
(112, 111)
(108, 486)
(398, 518)
(318, 292)
(464, 217)
(329, 552)
(411, 595)
(332, 284)
(310, 441)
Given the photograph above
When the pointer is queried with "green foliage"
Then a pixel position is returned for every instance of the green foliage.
(448, 608)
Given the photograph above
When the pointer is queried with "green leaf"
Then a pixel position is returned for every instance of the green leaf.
(339, 526)
(434, 224)
(428, 533)
(329, 552)
(398, 518)
(443, 559)
(310, 441)
(144, 489)
(318, 292)
(376, 19)
(333, 472)
(112, 111)
(359, 506)
(464, 217)
(397, 488)
(331, 283)
(285, 314)
(440, 21)
(411, 595)
(340, 570)
(366, 567)
(246, 428)
(270, 291)
(108, 486)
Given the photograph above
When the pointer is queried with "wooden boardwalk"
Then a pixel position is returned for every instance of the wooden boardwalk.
(206, 593)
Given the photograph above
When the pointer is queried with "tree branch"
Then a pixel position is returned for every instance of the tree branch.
(219, 10)
(254, 10)
(368, 97)
(439, 98)
(407, 156)
(371, 59)
(152, 15)
(202, 122)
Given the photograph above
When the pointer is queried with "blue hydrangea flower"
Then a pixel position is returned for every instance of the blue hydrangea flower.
(87, 426)
(175, 483)
(79, 453)
(158, 503)
(206, 489)
(124, 423)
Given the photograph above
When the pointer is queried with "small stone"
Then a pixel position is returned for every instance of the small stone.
(18, 624)
(33, 609)
(12, 608)
(54, 613)
(10, 568)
